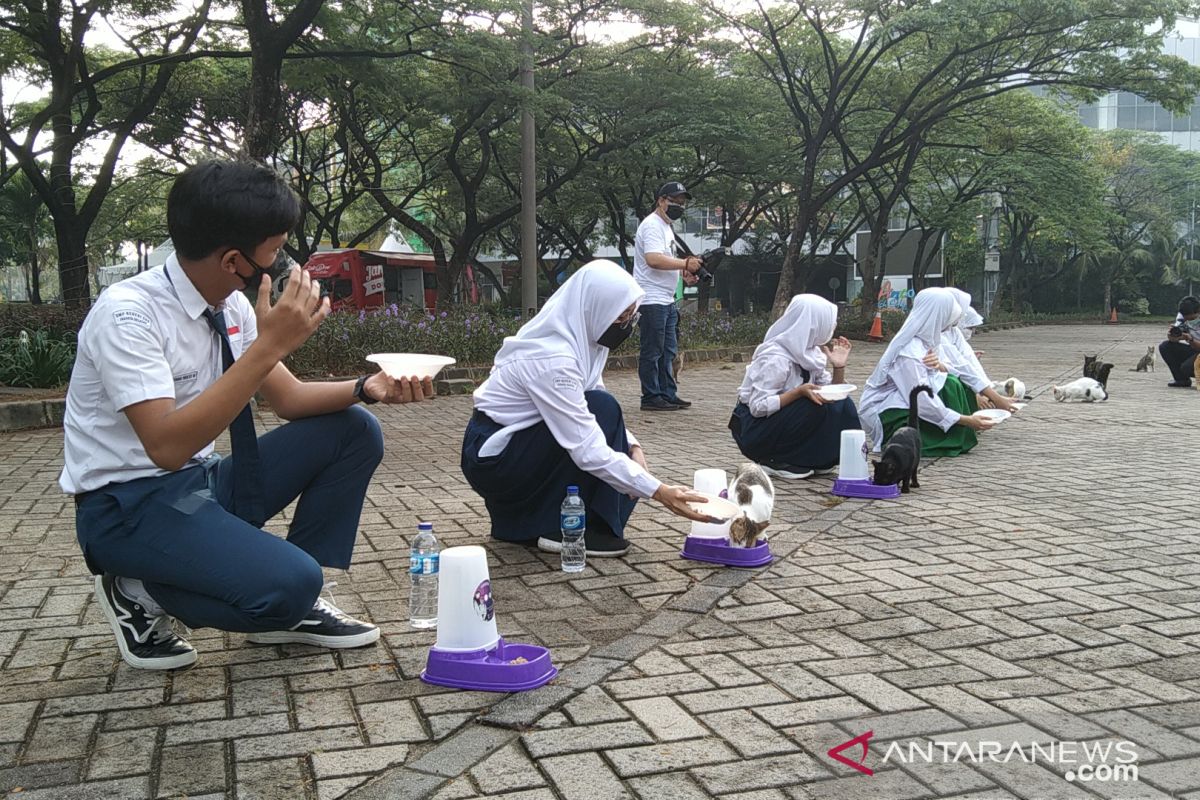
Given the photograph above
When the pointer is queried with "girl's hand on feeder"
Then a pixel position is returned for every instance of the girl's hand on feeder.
(676, 498)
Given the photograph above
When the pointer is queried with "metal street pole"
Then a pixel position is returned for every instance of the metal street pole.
(528, 170)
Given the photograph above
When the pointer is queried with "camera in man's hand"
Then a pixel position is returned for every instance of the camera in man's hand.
(709, 261)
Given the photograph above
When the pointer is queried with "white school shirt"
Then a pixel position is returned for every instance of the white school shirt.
(654, 235)
(522, 393)
(907, 373)
(952, 355)
(145, 338)
(771, 376)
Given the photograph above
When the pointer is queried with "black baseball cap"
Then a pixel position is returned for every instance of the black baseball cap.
(672, 189)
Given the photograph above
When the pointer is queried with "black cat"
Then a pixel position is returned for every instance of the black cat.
(901, 455)
(1097, 370)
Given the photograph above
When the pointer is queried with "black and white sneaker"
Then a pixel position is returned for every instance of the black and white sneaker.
(325, 626)
(146, 641)
(596, 544)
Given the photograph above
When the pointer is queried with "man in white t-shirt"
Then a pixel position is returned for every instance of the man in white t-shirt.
(656, 269)
(167, 360)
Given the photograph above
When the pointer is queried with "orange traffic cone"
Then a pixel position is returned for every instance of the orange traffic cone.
(1113, 316)
(876, 334)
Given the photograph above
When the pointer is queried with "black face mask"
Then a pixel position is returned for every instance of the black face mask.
(256, 278)
(615, 334)
(674, 211)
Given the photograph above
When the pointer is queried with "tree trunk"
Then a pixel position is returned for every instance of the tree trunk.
(72, 262)
(265, 103)
(1107, 299)
(792, 263)
(35, 271)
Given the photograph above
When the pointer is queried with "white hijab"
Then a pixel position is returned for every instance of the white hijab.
(962, 332)
(573, 319)
(808, 323)
(970, 318)
(934, 312)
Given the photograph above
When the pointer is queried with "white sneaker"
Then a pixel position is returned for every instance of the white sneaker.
(785, 474)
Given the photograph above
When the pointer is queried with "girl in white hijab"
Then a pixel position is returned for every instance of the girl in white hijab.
(780, 421)
(543, 422)
(911, 360)
(959, 357)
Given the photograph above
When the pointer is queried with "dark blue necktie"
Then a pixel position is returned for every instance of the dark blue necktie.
(247, 477)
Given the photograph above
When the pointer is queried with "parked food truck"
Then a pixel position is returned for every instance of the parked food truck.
(365, 279)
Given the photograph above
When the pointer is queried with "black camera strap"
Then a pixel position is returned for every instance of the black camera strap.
(687, 251)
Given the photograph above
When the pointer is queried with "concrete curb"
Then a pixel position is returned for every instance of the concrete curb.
(30, 414)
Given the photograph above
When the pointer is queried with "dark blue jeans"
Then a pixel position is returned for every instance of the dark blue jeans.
(211, 569)
(659, 326)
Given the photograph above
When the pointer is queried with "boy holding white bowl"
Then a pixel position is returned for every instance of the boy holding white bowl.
(167, 360)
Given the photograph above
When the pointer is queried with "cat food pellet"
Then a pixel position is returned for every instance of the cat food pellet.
(520, 660)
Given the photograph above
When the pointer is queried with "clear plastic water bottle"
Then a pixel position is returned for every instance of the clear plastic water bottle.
(572, 521)
(423, 570)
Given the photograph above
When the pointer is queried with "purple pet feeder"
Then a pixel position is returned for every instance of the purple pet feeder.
(501, 668)
(866, 489)
(721, 551)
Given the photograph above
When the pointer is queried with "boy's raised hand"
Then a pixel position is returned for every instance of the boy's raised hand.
(300, 310)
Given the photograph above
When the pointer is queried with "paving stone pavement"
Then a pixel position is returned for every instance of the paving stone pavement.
(1043, 589)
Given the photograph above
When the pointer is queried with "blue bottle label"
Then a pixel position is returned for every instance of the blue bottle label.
(423, 565)
(571, 522)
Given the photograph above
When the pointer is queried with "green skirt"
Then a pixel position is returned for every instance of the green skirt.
(934, 441)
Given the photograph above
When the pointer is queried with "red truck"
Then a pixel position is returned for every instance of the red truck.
(364, 279)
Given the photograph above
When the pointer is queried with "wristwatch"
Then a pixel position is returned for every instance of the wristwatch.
(360, 391)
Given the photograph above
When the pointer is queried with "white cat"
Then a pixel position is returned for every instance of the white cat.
(753, 491)
(1085, 389)
(1013, 387)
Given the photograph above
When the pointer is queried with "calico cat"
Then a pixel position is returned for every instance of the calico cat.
(751, 489)
(1086, 389)
(1146, 362)
(901, 456)
(1013, 387)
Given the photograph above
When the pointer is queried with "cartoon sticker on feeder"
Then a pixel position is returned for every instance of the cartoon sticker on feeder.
(484, 605)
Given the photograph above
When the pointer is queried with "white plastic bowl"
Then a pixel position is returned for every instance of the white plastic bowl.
(1019, 406)
(996, 415)
(836, 391)
(409, 365)
(716, 507)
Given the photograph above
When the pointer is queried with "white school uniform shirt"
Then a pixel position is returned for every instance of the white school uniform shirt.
(654, 235)
(901, 370)
(956, 351)
(145, 338)
(790, 348)
(541, 374)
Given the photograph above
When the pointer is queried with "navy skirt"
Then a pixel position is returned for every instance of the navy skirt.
(524, 485)
(801, 435)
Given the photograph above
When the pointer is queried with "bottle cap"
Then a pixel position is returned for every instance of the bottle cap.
(425, 526)
(572, 490)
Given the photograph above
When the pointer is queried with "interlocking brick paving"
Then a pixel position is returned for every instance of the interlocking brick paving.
(1042, 588)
